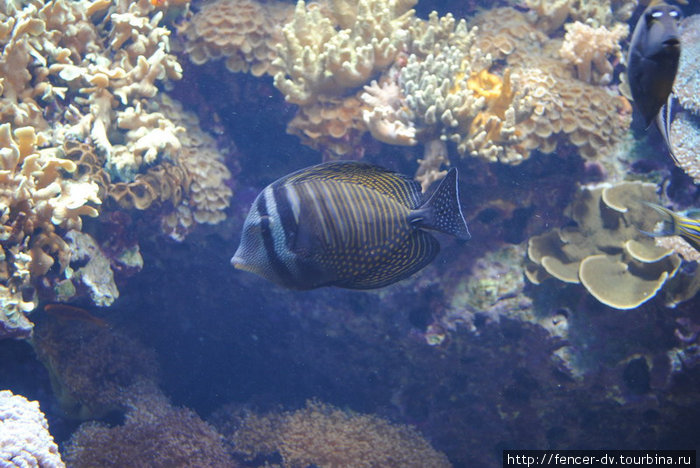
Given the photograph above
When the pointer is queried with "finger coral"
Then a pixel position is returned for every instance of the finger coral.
(24, 434)
(605, 250)
(591, 50)
(325, 436)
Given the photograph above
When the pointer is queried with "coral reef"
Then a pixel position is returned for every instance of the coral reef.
(24, 434)
(605, 250)
(85, 123)
(92, 367)
(551, 15)
(318, 59)
(685, 128)
(154, 433)
(591, 50)
(244, 33)
(325, 436)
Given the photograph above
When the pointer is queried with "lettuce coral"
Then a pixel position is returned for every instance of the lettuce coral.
(605, 250)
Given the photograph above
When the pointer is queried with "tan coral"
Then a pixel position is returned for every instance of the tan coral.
(331, 125)
(605, 250)
(244, 33)
(318, 59)
(591, 50)
(39, 197)
(326, 436)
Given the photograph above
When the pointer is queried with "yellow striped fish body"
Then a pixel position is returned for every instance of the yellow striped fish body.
(346, 224)
(686, 225)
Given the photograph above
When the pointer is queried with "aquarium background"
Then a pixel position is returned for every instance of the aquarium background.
(521, 338)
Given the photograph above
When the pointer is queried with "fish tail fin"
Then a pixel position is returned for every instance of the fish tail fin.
(670, 221)
(441, 210)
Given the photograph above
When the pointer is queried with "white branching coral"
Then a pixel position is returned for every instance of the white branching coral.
(386, 118)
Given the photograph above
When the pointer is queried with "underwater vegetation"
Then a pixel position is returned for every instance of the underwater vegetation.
(138, 138)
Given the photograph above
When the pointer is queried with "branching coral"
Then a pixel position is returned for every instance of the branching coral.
(605, 250)
(24, 434)
(325, 436)
(451, 93)
(318, 59)
(591, 50)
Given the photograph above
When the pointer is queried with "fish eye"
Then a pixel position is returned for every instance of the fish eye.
(657, 14)
(673, 13)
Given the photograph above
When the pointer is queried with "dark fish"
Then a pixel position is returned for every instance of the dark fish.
(69, 312)
(346, 224)
(653, 57)
(686, 225)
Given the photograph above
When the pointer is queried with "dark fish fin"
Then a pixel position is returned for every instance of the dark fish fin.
(441, 210)
(401, 188)
(663, 122)
(420, 249)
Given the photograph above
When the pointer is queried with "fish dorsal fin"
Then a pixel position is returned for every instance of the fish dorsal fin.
(392, 184)
(441, 211)
(420, 249)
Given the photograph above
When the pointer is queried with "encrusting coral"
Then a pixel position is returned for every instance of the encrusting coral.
(324, 436)
(244, 33)
(25, 440)
(605, 250)
(685, 130)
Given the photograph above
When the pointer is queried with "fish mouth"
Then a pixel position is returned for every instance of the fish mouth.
(672, 43)
(240, 264)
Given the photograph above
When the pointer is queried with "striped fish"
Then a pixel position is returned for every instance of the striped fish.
(686, 225)
(346, 224)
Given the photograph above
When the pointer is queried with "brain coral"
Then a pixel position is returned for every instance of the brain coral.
(605, 250)
(24, 434)
(324, 436)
